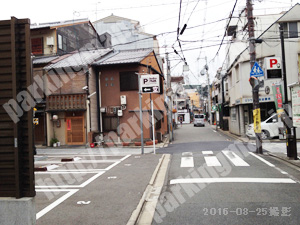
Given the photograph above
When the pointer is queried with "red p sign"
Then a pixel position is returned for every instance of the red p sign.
(273, 62)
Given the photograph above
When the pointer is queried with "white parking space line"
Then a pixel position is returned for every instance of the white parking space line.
(73, 186)
(233, 180)
(56, 203)
(187, 159)
(89, 180)
(78, 170)
(261, 159)
(212, 161)
(64, 172)
(207, 152)
(62, 188)
(234, 158)
(79, 161)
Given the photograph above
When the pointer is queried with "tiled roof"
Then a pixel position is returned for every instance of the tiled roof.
(43, 59)
(79, 59)
(124, 57)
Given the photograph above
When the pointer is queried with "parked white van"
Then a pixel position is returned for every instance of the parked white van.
(199, 120)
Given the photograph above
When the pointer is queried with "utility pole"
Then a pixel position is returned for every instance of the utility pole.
(208, 89)
(170, 99)
(252, 53)
(291, 143)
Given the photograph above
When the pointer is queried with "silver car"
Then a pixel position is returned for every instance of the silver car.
(199, 120)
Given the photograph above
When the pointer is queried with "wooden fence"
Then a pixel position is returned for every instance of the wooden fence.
(16, 138)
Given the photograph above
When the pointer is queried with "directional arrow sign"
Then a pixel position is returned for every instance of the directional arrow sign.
(256, 71)
(147, 89)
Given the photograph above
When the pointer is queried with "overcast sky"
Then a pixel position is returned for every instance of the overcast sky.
(158, 18)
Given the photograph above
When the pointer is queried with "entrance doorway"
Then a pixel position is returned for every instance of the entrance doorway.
(75, 131)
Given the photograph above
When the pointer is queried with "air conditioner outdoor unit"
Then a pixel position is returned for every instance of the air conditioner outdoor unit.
(103, 109)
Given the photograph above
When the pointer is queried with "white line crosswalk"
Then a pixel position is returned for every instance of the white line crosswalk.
(212, 161)
(187, 159)
(234, 158)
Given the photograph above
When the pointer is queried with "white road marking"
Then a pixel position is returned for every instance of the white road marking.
(79, 161)
(113, 177)
(56, 203)
(187, 159)
(89, 180)
(64, 172)
(51, 167)
(234, 158)
(207, 152)
(70, 191)
(232, 180)
(83, 202)
(74, 186)
(261, 159)
(212, 161)
(77, 158)
(78, 170)
(116, 163)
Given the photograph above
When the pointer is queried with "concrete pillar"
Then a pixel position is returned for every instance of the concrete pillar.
(17, 211)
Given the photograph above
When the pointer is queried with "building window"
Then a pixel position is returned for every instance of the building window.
(37, 46)
(110, 123)
(59, 37)
(62, 42)
(293, 30)
(128, 81)
(290, 30)
(233, 114)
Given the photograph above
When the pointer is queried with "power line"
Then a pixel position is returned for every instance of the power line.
(226, 29)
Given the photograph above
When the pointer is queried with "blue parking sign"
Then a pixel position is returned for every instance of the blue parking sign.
(256, 71)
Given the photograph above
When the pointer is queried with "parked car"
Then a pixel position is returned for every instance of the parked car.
(199, 120)
(269, 128)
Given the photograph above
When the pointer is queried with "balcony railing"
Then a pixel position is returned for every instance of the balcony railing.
(66, 102)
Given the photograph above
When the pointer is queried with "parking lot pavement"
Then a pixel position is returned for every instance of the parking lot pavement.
(90, 188)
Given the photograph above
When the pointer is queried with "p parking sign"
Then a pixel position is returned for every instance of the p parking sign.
(150, 83)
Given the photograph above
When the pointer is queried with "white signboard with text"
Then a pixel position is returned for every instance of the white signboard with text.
(150, 83)
(273, 67)
(296, 105)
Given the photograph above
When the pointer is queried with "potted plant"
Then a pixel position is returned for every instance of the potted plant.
(53, 142)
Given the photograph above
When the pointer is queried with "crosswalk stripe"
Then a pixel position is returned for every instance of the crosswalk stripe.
(207, 152)
(232, 180)
(187, 159)
(212, 161)
(234, 158)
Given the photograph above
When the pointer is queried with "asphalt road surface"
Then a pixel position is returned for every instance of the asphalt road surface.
(213, 179)
(91, 189)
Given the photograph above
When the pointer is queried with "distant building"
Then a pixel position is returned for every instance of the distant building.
(127, 34)
(69, 45)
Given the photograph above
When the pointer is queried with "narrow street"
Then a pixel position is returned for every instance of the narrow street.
(213, 179)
